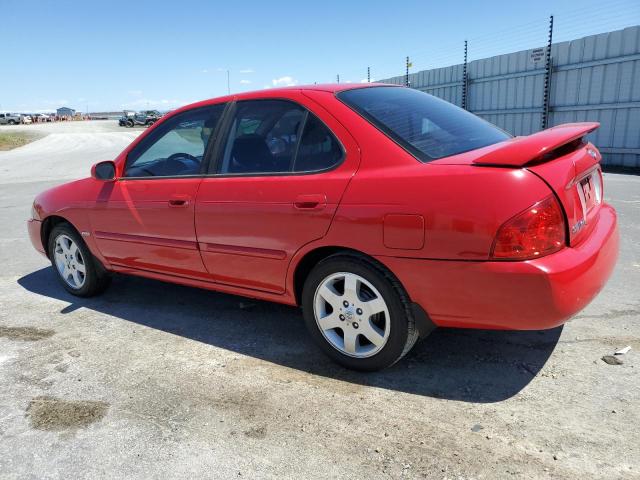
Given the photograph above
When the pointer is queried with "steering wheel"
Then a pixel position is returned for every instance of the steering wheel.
(182, 155)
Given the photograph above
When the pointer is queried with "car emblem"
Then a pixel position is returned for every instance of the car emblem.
(592, 152)
(578, 226)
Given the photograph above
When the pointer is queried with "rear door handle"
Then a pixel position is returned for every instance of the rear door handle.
(315, 201)
(179, 201)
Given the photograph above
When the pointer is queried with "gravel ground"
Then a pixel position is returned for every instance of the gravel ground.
(153, 380)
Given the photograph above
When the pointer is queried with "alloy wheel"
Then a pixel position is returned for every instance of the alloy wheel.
(351, 314)
(69, 262)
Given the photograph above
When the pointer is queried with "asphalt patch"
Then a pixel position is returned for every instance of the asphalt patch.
(28, 334)
(54, 414)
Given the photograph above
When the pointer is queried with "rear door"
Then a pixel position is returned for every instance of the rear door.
(280, 174)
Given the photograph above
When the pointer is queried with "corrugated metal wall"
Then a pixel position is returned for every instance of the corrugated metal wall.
(595, 78)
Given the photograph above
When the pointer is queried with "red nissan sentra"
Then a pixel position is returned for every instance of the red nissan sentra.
(381, 210)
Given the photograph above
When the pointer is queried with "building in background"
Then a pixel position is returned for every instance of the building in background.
(65, 112)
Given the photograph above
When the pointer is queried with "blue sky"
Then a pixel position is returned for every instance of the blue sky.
(115, 54)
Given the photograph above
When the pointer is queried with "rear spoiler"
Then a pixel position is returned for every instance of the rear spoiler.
(520, 151)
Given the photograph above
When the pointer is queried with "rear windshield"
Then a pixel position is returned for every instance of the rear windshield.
(426, 126)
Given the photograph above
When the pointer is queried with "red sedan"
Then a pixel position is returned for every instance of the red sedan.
(381, 210)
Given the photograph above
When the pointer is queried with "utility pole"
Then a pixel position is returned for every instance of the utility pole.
(406, 76)
(464, 78)
(547, 78)
(368, 74)
(338, 78)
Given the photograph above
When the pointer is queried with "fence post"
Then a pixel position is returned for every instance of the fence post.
(406, 76)
(464, 78)
(547, 78)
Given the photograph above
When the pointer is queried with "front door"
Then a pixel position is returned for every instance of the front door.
(276, 185)
(145, 219)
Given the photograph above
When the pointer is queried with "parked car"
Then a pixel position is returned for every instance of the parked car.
(10, 119)
(25, 119)
(42, 118)
(380, 210)
(143, 118)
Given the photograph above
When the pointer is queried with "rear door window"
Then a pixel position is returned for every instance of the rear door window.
(277, 136)
(319, 149)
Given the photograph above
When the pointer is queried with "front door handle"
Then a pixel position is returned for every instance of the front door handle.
(316, 201)
(179, 201)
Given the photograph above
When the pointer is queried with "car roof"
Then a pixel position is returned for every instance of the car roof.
(324, 87)
(275, 92)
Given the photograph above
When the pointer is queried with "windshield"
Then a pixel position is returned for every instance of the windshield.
(429, 128)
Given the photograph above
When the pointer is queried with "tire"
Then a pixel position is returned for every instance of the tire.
(382, 335)
(12, 122)
(69, 253)
(130, 124)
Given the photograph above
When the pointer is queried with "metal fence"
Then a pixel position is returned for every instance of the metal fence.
(595, 78)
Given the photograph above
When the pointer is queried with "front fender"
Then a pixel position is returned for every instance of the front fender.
(69, 202)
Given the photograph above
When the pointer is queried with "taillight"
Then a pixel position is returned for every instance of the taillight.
(533, 233)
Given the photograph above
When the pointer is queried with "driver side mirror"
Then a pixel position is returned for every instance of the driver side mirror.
(104, 171)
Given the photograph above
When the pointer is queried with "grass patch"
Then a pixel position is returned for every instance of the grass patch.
(11, 140)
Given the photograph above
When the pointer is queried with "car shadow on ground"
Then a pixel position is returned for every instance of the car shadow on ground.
(465, 365)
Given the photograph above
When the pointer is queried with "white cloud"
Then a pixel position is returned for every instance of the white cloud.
(266, 86)
(247, 70)
(245, 82)
(285, 81)
(204, 70)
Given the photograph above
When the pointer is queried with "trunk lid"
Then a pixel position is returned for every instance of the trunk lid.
(563, 160)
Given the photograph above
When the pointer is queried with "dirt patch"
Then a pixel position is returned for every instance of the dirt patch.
(28, 334)
(256, 432)
(53, 414)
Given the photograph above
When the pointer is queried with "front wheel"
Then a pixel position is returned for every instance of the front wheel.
(77, 269)
(358, 313)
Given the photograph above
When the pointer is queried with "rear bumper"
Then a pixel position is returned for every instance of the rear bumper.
(530, 295)
(34, 227)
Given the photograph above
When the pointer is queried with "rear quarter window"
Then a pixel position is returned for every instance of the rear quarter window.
(426, 126)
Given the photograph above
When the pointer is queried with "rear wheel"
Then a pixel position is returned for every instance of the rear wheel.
(12, 122)
(130, 123)
(358, 313)
(77, 269)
